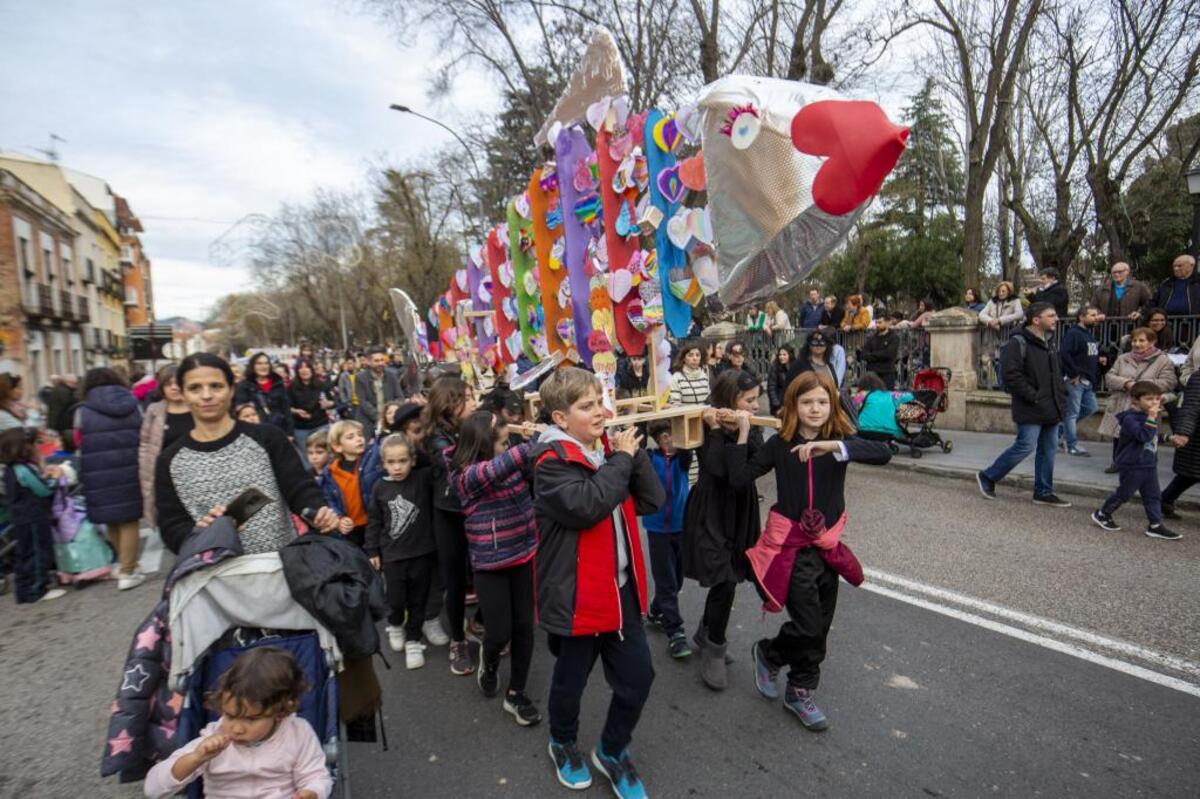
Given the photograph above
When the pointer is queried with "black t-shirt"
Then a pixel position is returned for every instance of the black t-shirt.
(176, 425)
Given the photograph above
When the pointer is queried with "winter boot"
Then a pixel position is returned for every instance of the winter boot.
(712, 666)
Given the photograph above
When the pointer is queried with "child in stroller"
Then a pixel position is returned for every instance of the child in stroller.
(258, 741)
(886, 415)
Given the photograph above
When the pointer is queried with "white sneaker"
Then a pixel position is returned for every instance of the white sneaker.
(395, 638)
(414, 655)
(433, 632)
(127, 581)
(53, 593)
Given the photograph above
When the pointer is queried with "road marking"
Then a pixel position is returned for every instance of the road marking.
(1057, 629)
(1040, 640)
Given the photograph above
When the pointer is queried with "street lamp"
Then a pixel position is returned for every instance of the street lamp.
(470, 153)
(1193, 184)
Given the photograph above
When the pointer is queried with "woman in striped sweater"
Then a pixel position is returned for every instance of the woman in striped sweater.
(690, 386)
(493, 482)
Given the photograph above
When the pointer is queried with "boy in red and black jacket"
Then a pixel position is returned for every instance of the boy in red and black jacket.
(591, 577)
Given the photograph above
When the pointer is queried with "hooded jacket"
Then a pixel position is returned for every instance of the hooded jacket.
(1137, 446)
(332, 578)
(110, 433)
(143, 724)
(498, 508)
(1033, 377)
(673, 472)
(370, 469)
(576, 503)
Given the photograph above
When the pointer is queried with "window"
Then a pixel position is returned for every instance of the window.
(89, 274)
(48, 263)
(131, 295)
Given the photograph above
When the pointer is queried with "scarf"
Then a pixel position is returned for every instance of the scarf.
(1143, 357)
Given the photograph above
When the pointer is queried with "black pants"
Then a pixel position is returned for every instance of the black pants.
(452, 557)
(437, 590)
(1137, 481)
(506, 596)
(1176, 487)
(407, 592)
(717, 607)
(811, 602)
(627, 669)
(34, 561)
(666, 563)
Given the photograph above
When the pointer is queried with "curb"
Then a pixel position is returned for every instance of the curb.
(1020, 480)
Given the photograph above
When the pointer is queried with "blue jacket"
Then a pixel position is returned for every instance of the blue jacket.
(878, 412)
(810, 315)
(1079, 354)
(370, 469)
(1137, 445)
(110, 431)
(673, 474)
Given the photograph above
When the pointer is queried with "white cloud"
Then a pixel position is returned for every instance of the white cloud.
(189, 288)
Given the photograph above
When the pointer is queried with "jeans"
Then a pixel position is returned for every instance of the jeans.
(666, 563)
(1137, 481)
(628, 669)
(1043, 438)
(506, 596)
(407, 583)
(1081, 403)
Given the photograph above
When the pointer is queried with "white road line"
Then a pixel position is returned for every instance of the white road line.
(1056, 629)
(1040, 640)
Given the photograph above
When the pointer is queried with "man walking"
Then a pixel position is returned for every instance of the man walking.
(1079, 356)
(1033, 377)
(812, 311)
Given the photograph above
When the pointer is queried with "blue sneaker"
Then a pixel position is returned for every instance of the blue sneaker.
(765, 674)
(569, 765)
(800, 702)
(626, 783)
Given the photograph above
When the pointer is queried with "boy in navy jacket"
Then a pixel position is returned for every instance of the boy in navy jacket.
(665, 531)
(591, 580)
(1137, 462)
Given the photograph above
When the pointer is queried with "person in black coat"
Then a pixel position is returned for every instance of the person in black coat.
(1185, 426)
(110, 425)
(310, 400)
(1051, 291)
(266, 390)
(777, 377)
(880, 352)
(1179, 294)
(1033, 377)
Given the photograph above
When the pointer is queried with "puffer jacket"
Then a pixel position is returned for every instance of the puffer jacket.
(145, 714)
(110, 432)
(498, 506)
(332, 578)
(370, 469)
(1158, 370)
(150, 441)
(1186, 422)
(578, 591)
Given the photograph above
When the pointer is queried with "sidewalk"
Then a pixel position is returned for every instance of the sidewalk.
(973, 452)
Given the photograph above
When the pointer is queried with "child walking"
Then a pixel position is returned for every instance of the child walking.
(259, 747)
(721, 520)
(665, 531)
(30, 491)
(805, 526)
(1137, 462)
(350, 475)
(492, 481)
(591, 580)
(399, 540)
(450, 402)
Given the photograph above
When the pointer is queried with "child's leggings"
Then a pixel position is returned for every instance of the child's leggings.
(33, 562)
(812, 600)
(1137, 481)
(452, 558)
(506, 596)
(717, 607)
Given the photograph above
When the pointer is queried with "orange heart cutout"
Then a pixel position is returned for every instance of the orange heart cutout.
(691, 172)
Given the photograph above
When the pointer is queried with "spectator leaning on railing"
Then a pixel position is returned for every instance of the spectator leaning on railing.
(1121, 296)
(1004, 308)
(811, 311)
(1051, 291)
(1179, 295)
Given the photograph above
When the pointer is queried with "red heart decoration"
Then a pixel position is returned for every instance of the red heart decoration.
(861, 146)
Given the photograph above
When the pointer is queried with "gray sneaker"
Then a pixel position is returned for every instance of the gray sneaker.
(800, 702)
(460, 658)
(1052, 500)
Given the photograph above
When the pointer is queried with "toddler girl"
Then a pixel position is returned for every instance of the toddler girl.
(29, 493)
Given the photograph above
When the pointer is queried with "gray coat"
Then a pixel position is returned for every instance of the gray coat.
(368, 413)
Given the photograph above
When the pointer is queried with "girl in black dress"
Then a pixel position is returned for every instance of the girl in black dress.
(720, 522)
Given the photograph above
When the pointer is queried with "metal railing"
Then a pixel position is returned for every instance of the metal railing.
(1111, 335)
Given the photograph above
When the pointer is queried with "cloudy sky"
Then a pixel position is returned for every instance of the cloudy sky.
(201, 113)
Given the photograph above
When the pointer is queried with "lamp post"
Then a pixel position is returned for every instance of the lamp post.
(1193, 184)
(470, 153)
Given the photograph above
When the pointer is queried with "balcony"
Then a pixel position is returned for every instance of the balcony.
(83, 314)
(45, 300)
(66, 304)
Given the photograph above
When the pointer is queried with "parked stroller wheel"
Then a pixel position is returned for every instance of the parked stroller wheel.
(894, 447)
(947, 446)
(914, 452)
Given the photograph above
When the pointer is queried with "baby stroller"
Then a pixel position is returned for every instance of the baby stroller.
(243, 603)
(929, 399)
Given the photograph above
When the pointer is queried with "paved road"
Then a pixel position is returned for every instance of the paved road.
(921, 704)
